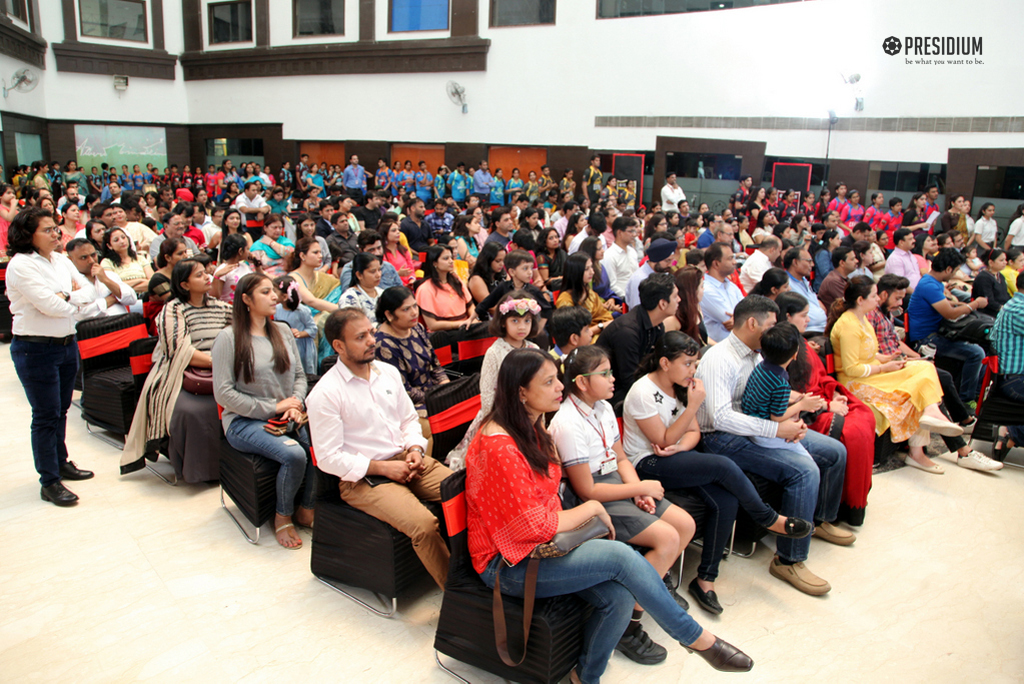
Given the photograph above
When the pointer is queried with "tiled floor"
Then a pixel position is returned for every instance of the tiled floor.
(142, 581)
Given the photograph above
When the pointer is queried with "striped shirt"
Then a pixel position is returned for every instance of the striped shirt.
(1008, 336)
(767, 391)
(724, 370)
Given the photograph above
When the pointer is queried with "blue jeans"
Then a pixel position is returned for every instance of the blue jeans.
(812, 487)
(247, 435)
(611, 577)
(722, 485)
(1012, 386)
(970, 355)
(47, 372)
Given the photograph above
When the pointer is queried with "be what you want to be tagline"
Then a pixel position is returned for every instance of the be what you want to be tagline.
(959, 50)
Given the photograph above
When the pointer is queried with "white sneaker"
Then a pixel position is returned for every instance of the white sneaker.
(978, 461)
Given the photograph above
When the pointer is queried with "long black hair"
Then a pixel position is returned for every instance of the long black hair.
(183, 271)
(108, 249)
(431, 273)
(589, 247)
(670, 346)
(772, 278)
(518, 370)
(791, 303)
(572, 278)
(580, 361)
(361, 262)
(484, 260)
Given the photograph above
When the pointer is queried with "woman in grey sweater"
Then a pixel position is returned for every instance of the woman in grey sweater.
(258, 375)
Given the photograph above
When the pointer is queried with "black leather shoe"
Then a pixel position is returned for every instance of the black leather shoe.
(69, 471)
(639, 648)
(683, 603)
(58, 494)
(795, 529)
(708, 600)
(724, 657)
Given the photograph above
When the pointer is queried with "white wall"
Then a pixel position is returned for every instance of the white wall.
(545, 84)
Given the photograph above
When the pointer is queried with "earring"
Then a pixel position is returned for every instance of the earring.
(523, 400)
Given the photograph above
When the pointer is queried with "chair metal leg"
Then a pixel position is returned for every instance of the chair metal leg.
(437, 659)
(375, 611)
(163, 477)
(732, 545)
(234, 519)
(103, 437)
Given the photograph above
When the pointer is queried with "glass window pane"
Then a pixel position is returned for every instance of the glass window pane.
(16, 9)
(522, 12)
(319, 17)
(609, 9)
(230, 22)
(120, 19)
(419, 15)
(28, 147)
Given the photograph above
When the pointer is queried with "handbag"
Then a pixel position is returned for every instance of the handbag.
(973, 327)
(198, 380)
(560, 545)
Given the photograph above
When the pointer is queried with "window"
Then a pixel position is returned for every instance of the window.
(16, 9)
(319, 17)
(697, 165)
(905, 177)
(817, 170)
(230, 22)
(612, 9)
(522, 12)
(28, 148)
(999, 182)
(119, 19)
(419, 15)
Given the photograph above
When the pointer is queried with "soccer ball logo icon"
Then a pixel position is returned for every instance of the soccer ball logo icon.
(892, 45)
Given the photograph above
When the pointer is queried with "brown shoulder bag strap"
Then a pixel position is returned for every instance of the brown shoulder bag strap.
(500, 633)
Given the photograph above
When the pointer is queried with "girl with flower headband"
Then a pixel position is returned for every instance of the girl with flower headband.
(298, 318)
(517, 317)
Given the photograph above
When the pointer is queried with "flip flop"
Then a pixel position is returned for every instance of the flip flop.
(285, 527)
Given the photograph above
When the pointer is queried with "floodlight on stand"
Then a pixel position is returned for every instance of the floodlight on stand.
(120, 82)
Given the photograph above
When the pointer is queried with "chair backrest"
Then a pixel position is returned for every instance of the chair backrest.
(451, 408)
(140, 358)
(444, 355)
(471, 349)
(453, 501)
(103, 342)
(828, 357)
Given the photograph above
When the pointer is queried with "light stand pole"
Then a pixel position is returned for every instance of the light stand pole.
(832, 121)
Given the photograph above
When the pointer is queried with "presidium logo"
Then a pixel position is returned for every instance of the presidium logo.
(927, 49)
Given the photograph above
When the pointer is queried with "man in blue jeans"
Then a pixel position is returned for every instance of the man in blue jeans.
(813, 485)
(929, 307)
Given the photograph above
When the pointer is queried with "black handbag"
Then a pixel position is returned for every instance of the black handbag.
(973, 327)
(560, 545)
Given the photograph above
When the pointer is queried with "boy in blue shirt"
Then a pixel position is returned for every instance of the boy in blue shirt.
(457, 182)
(768, 394)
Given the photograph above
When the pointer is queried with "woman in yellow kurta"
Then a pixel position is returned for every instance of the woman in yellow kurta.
(905, 395)
(577, 276)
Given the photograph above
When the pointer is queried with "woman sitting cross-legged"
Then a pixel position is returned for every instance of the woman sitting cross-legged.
(662, 436)
(257, 376)
(586, 436)
(512, 479)
(905, 394)
(186, 328)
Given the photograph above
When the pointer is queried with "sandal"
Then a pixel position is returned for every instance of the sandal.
(285, 527)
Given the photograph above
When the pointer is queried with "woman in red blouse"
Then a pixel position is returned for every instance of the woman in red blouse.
(512, 478)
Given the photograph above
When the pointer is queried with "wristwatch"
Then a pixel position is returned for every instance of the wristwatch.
(600, 326)
(417, 448)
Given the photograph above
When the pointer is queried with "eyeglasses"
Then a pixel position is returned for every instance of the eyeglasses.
(606, 374)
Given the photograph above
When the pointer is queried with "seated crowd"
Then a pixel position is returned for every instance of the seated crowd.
(635, 353)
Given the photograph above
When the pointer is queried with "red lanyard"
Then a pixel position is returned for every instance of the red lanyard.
(599, 429)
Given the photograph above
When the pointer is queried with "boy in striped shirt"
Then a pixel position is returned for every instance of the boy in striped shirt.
(768, 394)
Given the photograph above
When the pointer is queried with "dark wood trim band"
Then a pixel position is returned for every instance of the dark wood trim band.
(70, 26)
(89, 58)
(157, 8)
(192, 24)
(262, 22)
(18, 43)
(465, 18)
(367, 20)
(390, 57)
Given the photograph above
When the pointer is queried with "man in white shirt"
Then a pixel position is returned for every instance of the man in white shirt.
(671, 194)
(813, 486)
(366, 431)
(760, 261)
(253, 207)
(104, 288)
(621, 260)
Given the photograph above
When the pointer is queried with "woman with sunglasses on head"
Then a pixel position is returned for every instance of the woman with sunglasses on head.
(512, 479)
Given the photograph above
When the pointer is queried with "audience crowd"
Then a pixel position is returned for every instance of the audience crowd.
(635, 351)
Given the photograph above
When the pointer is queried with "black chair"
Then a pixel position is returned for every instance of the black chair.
(465, 626)
(451, 408)
(140, 360)
(250, 481)
(108, 387)
(355, 549)
(994, 410)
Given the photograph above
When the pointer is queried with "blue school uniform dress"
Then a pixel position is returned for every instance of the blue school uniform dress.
(497, 197)
(423, 191)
